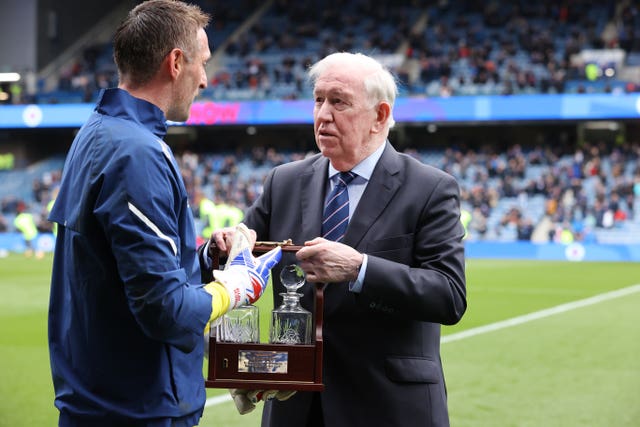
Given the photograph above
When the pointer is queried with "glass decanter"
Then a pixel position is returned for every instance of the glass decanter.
(290, 323)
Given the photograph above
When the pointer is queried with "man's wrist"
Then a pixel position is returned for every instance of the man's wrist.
(211, 249)
(356, 284)
(358, 267)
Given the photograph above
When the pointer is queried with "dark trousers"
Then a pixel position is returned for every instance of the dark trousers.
(315, 414)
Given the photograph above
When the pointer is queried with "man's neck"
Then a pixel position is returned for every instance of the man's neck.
(150, 92)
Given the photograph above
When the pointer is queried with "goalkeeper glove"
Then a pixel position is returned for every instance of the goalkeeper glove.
(244, 279)
(245, 400)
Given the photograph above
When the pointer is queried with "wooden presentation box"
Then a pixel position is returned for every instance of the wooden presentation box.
(257, 366)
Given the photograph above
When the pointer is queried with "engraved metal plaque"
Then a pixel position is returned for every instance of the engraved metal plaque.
(259, 361)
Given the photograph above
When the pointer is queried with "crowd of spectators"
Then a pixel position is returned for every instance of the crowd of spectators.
(519, 47)
(457, 48)
(593, 187)
(435, 47)
(536, 194)
(43, 191)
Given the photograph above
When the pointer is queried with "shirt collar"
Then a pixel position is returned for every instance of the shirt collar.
(365, 168)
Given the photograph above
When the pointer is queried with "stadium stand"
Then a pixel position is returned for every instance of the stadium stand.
(535, 194)
(440, 48)
(436, 48)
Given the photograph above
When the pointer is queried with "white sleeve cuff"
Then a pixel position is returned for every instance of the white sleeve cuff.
(356, 286)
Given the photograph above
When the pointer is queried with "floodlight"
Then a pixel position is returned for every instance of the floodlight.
(9, 77)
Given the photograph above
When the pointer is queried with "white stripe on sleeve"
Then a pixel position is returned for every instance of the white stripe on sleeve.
(153, 227)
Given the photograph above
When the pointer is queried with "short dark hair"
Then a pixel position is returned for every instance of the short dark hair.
(150, 31)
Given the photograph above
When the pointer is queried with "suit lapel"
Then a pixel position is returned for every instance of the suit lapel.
(312, 199)
(383, 184)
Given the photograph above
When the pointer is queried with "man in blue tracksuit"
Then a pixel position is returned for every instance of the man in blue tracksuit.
(128, 308)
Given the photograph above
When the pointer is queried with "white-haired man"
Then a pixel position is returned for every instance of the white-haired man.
(395, 273)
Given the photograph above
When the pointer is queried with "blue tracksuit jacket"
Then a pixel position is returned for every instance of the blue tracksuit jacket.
(127, 309)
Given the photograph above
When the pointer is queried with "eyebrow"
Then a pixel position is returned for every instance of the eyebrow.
(335, 92)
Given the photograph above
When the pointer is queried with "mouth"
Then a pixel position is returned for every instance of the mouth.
(325, 134)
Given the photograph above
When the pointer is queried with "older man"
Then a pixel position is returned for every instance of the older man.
(384, 231)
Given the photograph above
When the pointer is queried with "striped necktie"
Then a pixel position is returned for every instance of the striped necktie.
(336, 212)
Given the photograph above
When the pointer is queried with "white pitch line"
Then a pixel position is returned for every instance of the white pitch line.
(562, 308)
(217, 400)
(514, 321)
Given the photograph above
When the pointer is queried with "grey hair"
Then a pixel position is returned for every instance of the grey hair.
(380, 85)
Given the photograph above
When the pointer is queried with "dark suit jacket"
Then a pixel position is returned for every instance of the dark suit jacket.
(382, 346)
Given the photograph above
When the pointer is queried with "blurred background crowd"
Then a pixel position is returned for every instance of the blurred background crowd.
(559, 192)
(539, 194)
(435, 47)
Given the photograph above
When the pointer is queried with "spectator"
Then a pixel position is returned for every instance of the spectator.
(25, 223)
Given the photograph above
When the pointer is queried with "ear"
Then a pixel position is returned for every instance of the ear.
(383, 111)
(175, 62)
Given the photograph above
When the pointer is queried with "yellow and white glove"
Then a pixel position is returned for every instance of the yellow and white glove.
(244, 278)
(246, 400)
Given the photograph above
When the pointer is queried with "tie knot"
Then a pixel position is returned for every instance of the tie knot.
(345, 178)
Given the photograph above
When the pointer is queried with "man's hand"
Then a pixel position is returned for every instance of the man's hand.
(245, 278)
(246, 400)
(328, 261)
(222, 239)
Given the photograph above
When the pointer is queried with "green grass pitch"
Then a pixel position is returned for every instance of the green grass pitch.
(579, 367)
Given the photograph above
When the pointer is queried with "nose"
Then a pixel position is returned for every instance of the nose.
(323, 111)
(203, 80)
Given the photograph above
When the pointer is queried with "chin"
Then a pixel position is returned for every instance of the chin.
(323, 148)
(179, 117)
(329, 153)
(327, 144)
